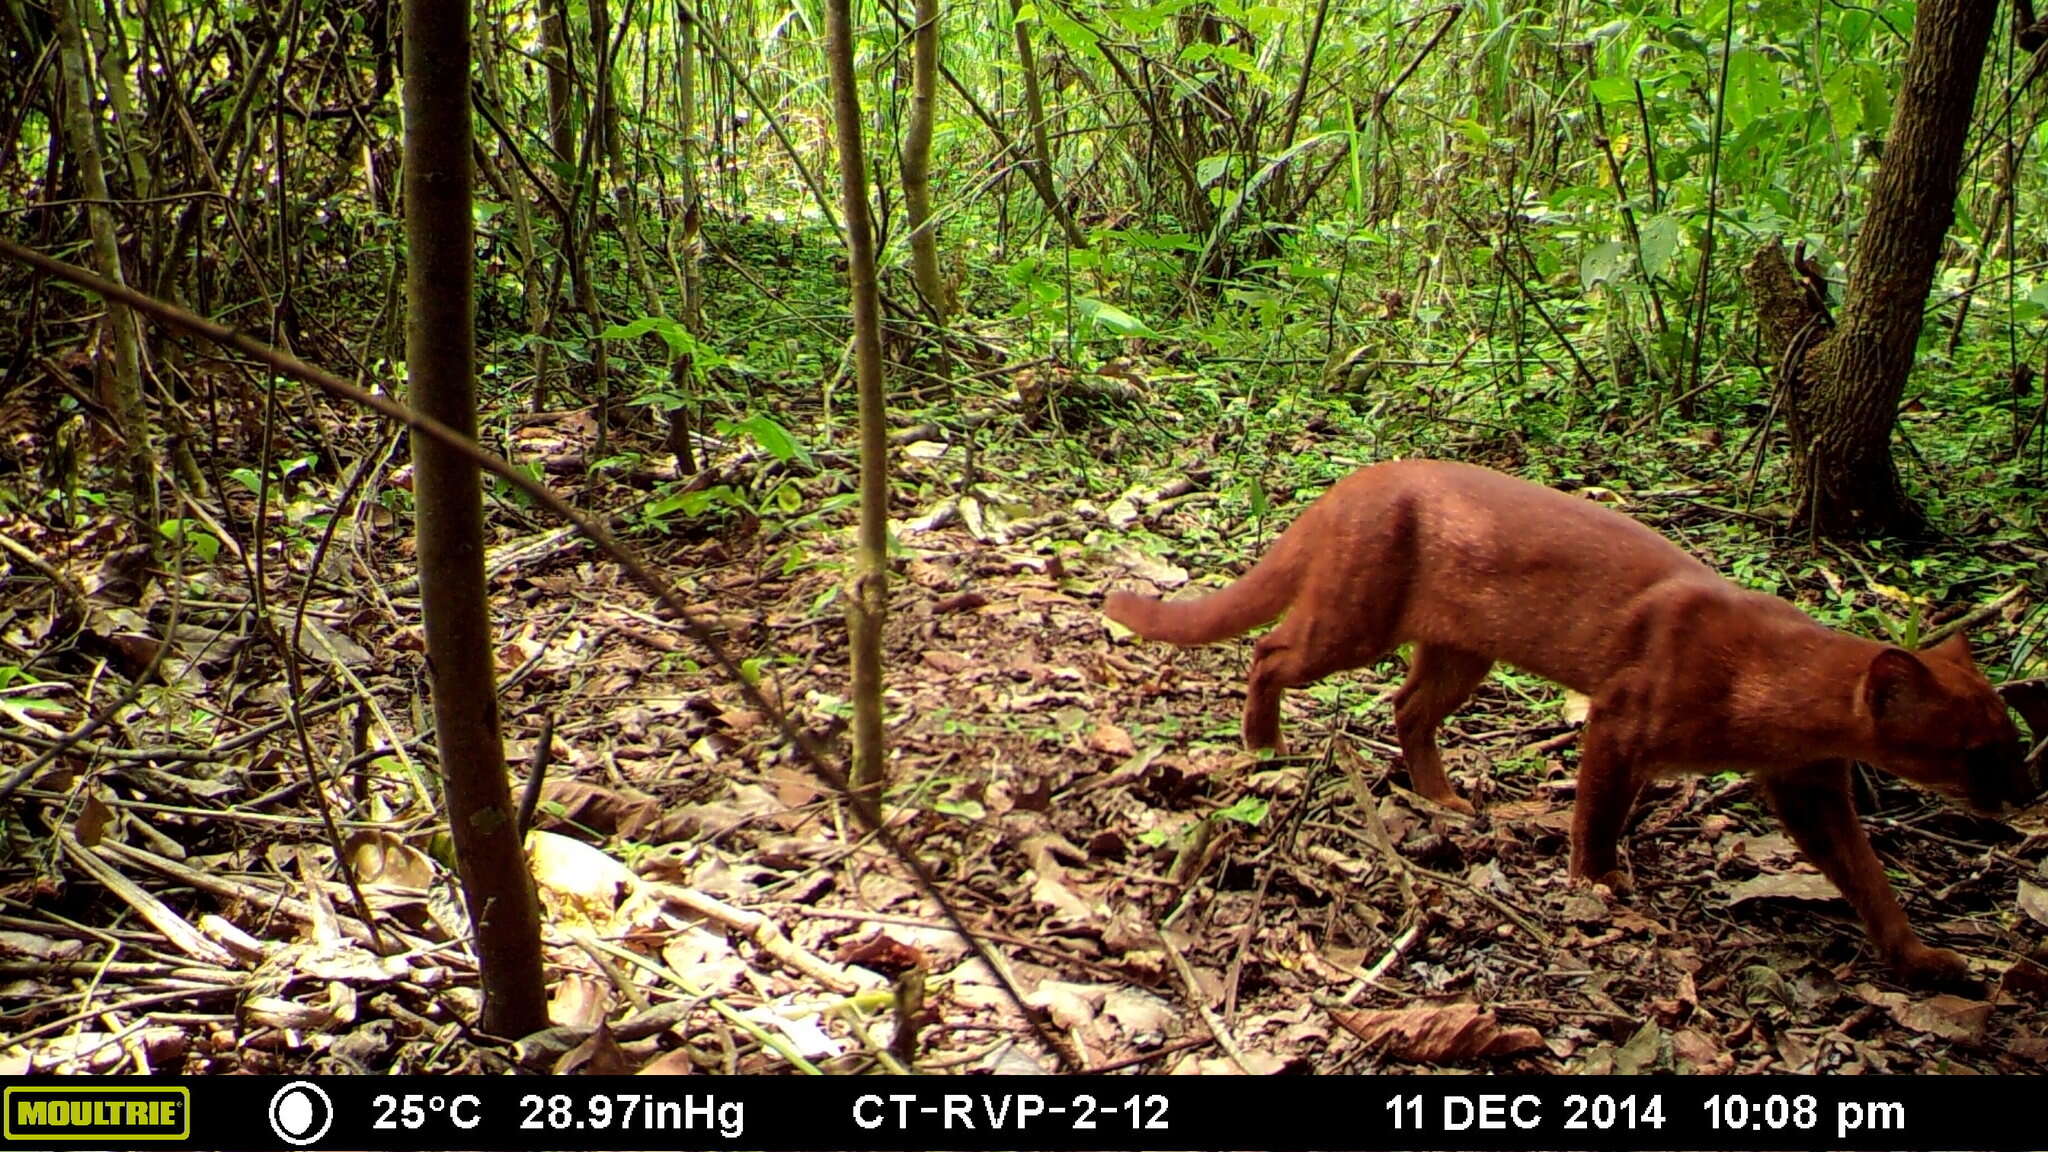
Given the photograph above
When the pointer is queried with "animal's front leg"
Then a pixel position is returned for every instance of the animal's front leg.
(1814, 803)
(1609, 779)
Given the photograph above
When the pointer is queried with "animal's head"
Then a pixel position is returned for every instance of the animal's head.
(1943, 726)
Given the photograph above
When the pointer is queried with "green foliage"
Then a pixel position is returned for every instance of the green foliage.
(772, 438)
(192, 536)
(692, 504)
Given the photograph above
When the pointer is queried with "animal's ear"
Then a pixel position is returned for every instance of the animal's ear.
(1956, 647)
(2029, 698)
(1898, 686)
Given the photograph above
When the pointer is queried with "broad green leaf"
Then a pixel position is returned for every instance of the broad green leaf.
(1251, 810)
(1111, 317)
(703, 356)
(1077, 38)
(193, 535)
(1230, 56)
(1859, 100)
(1755, 90)
(1612, 90)
(1660, 242)
(773, 438)
(1603, 263)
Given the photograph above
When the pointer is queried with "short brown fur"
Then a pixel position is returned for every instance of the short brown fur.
(1686, 671)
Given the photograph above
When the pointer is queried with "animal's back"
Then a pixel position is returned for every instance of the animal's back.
(1490, 563)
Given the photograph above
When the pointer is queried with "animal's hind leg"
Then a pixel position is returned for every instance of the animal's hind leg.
(1439, 679)
(1306, 647)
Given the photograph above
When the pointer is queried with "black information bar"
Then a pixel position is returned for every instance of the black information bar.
(1533, 1113)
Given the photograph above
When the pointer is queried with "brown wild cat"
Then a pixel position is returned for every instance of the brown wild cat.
(1686, 671)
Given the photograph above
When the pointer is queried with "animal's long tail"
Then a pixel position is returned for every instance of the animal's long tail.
(1256, 598)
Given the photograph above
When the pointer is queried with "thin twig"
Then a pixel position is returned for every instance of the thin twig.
(1217, 1028)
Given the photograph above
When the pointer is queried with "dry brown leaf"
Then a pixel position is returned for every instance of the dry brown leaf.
(383, 860)
(794, 788)
(578, 1000)
(675, 1062)
(1783, 886)
(93, 818)
(1069, 1005)
(2033, 900)
(1946, 1016)
(599, 1055)
(1438, 1033)
(1760, 848)
(1795, 1054)
(1519, 811)
(34, 946)
(1586, 908)
(959, 602)
(1140, 1014)
(703, 957)
(2025, 980)
(1697, 1052)
(1629, 920)
(882, 952)
(1254, 1063)
(575, 880)
(1111, 740)
(622, 811)
(1640, 1053)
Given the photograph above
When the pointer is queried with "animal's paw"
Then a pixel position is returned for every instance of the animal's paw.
(1928, 967)
(1615, 881)
(1455, 803)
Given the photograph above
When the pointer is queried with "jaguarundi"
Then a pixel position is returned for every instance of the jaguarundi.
(1686, 671)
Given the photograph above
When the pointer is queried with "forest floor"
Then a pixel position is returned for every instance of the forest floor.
(1171, 902)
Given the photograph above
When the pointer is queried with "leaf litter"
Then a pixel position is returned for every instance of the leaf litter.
(1168, 902)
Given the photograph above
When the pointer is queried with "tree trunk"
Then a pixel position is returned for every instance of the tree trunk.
(1849, 485)
(560, 63)
(73, 75)
(554, 53)
(917, 160)
(1038, 169)
(600, 133)
(682, 372)
(693, 187)
(440, 354)
(867, 608)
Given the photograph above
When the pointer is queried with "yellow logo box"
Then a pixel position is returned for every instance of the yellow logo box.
(81, 1113)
